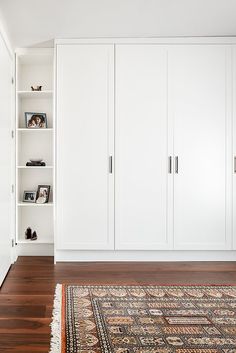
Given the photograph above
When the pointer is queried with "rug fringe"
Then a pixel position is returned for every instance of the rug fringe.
(55, 346)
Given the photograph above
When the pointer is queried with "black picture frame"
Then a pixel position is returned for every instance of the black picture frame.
(43, 193)
(29, 196)
(36, 120)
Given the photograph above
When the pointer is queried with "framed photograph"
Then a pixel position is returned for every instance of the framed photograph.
(43, 194)
(29, 196)
(36, 120)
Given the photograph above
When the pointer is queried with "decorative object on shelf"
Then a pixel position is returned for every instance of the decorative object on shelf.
(28, 233)
(43, 194)
(35, 120)
(36, 163)
(36, 88)
(34, 236)
(29, 196)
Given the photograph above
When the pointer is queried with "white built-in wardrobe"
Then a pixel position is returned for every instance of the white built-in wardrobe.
(145, 149)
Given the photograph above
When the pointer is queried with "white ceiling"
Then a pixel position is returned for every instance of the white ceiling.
(30, 22)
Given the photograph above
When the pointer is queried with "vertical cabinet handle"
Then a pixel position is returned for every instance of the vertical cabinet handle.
(110, 164)
(170, 165)
(235, 164)
(176, 164)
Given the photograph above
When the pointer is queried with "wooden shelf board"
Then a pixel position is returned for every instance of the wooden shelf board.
(35, 167)
(34, 204)
(35, 94)
(30, 130)
(35, 242)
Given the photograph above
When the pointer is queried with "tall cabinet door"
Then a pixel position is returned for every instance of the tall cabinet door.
(142, 183)
(200, 105)
(84, 144)
(5, 159)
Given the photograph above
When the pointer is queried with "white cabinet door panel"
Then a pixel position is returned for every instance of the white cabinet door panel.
(5, 159)
(141, 148)
(199, 91)
(84, 142)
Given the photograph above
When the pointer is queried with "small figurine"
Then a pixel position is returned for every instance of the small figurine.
(34, 236)
(36, 88)
(28, 233)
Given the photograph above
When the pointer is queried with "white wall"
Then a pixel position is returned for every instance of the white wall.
(31, 22)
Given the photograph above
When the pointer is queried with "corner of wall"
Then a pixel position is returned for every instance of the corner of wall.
(5, 36)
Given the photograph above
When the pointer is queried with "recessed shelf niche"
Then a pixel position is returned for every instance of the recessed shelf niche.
(34, 67)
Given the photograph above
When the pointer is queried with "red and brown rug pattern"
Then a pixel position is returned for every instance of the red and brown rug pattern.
(145, 319)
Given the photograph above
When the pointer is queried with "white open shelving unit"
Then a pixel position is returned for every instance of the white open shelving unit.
(34, 67)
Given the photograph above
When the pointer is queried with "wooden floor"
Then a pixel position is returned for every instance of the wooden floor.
(26, 297)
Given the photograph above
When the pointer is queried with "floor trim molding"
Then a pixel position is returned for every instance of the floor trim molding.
(177, 255)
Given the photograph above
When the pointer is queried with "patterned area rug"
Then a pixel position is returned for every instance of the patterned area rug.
(144, 319)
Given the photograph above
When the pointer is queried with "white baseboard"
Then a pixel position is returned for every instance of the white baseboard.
(162, 255)
(71, 255)
(35, 249)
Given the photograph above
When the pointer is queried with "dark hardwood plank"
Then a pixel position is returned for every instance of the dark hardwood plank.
(23, 343)
(25, 300)
(20, 311)
(26, 297)
(21, 325)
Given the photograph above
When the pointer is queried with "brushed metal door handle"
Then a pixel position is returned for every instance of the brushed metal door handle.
(235, 164)
(176, 165)
(170, 165)
(110, 164)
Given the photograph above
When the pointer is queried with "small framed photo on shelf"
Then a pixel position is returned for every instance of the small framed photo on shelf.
(43, 194)
(36, 120)
(29, 196)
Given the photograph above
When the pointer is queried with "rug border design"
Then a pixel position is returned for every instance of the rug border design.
(56, 324)
(58, 334)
